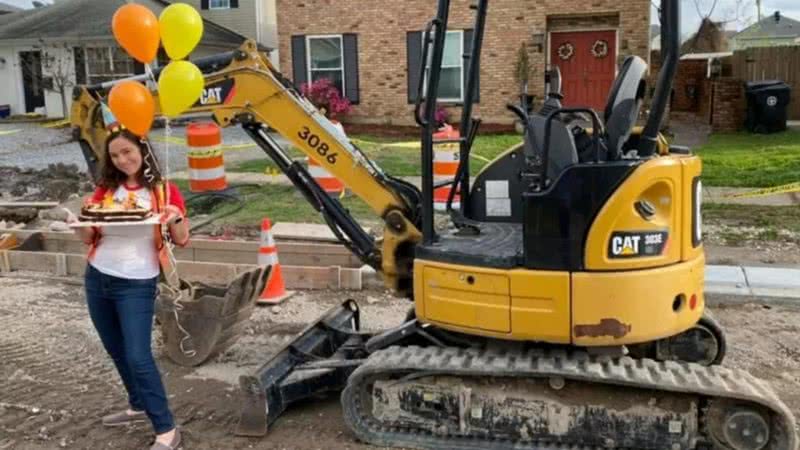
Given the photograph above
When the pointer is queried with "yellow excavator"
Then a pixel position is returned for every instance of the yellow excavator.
(562, 307)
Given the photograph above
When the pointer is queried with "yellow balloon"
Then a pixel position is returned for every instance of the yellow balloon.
(179, 87)
(181, 29)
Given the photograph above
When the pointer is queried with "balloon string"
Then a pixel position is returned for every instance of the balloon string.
(174, 292)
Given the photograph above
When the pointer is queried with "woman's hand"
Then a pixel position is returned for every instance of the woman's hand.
(178, 228)
(171, 215)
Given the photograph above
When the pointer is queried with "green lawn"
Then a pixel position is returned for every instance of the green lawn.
(400, 157)
(281, 203)
(751, 160)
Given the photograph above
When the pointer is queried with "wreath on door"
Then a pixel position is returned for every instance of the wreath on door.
(600, 48)
(566, 51)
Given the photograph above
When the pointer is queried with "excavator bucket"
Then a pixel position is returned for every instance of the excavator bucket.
(319, 360)
(206, 320)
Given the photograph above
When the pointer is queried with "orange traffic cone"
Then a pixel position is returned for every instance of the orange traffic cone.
(275, 290)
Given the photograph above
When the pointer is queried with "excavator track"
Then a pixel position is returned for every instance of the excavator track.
(453, 398)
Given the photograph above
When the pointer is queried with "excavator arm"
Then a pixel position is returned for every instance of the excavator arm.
(243, 88)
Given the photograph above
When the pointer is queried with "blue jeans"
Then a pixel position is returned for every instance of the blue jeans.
(122, 312)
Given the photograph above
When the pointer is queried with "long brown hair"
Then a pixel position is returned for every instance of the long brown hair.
(112, 178)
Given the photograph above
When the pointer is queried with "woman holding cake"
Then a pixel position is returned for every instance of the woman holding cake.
(122, 275)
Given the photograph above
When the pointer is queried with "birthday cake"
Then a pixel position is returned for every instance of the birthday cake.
(109, 210)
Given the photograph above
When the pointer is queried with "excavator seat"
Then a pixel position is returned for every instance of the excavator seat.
(498, 246)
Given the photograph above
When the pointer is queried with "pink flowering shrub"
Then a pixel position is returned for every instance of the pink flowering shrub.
(326, 97)
(441, 116)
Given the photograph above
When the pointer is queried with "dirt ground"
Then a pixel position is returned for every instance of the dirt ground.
(57, 381)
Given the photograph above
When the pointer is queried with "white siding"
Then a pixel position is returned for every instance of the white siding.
(242, 20)
(11, 88)
(10, 81)
(63, 66)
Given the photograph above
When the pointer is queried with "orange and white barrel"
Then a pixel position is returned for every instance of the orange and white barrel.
(445, 166)
(206, 164)
(329, 183)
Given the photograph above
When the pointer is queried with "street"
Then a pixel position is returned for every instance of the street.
(58, 381)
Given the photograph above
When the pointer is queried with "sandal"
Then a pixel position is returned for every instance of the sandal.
(173, 444)
(123, 418)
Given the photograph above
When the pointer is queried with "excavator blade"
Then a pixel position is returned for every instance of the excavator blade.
(206, 320)
(319, 360)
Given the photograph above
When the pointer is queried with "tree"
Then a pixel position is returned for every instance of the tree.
(54, 71)
(738, 12)
(57, 62)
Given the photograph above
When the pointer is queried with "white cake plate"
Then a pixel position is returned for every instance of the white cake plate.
(154, 220)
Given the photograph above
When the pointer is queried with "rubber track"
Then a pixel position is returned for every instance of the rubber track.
(710, 382)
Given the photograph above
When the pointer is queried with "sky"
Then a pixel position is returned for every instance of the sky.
(725, 10)
(25, 4)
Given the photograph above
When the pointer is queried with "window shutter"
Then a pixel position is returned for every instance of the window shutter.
(203, 4)
(299, 60)
(234, 3)
(80, 65)
(467, 36)
(413, 62)
(350, 42)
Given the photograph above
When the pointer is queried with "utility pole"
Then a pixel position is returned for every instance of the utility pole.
(758, 7)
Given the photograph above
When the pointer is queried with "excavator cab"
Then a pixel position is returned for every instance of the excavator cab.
(562, 307)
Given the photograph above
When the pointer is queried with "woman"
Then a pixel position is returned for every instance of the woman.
(122, 275)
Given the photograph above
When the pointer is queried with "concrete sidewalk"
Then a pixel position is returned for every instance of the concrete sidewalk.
(753, 281)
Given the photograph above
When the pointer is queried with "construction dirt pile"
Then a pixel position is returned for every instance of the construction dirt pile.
(56, 183)
(56, 384)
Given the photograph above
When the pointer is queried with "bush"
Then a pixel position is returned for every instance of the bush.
(441, 116)
(326, 97)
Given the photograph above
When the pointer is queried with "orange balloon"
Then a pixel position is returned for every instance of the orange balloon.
(133, 106)
(136, 29)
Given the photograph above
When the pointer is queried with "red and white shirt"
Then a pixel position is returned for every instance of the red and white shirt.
(130, 251)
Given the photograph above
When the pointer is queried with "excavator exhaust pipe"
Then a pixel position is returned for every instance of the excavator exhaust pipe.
(207, 320)
(319, 360)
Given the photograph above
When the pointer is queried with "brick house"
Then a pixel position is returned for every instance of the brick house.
(372, 50)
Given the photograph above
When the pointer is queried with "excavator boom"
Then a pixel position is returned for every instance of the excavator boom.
(243, 88)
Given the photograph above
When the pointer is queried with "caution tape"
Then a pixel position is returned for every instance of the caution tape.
(783, 189)
(180, 141)
(56, 124)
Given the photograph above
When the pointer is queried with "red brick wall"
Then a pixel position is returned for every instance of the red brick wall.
(728, 106)
(691, 73)
(382, 26)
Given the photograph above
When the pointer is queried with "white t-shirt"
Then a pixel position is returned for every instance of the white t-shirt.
(128, 251)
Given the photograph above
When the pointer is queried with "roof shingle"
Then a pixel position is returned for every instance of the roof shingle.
(769, 27)
(91, 19)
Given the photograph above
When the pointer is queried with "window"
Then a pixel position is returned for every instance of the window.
(107, 63)
(334, 57)
(452, 74)
(219, 4)
(326, 60)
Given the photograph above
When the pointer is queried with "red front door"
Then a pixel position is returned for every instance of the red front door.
(586, 75)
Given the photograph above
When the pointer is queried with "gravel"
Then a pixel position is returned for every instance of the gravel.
(29, 145)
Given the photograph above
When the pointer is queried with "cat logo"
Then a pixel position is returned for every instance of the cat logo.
(637, 244)
(217, 93)
(211, 95)
(625, 246)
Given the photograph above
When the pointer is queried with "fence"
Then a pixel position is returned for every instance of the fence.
(771, 63)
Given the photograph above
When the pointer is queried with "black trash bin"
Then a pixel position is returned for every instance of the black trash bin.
(767, 105)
